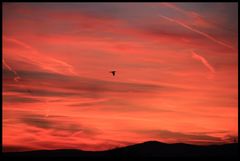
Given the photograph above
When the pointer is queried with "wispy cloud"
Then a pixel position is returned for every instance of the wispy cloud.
(203, 61)
(43, 61)
(55, 124)
(17, 77)
(72, 86)
(19, 99)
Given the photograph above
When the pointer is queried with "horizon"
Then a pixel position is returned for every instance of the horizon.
(176, 77)
(129, 145)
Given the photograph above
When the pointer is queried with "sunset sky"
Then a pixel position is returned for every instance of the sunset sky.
(176, 79)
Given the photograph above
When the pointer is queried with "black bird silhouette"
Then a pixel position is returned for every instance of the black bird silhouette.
(113, 72)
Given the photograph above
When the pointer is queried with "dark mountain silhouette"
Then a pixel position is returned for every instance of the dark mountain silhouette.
(146, 149)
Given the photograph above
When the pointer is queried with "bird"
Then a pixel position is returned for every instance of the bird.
(113, 72)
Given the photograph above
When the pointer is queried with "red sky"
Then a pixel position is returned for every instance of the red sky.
(176, 79)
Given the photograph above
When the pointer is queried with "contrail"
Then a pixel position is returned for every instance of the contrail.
(195, 15)
(203, 61)
(197, 31)
(17, 77)
(174, 6)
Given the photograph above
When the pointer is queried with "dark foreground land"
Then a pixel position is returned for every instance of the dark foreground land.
(146, 149)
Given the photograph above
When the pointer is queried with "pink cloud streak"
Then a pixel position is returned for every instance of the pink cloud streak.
(203, 61)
